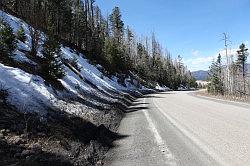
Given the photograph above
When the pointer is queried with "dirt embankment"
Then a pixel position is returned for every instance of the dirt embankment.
(59, 138)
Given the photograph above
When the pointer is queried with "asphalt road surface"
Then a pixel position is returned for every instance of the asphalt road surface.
(176, 128)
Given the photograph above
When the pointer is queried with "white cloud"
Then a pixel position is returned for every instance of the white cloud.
(197, 61)
(202, 62)
(230, 52)
(195, 53)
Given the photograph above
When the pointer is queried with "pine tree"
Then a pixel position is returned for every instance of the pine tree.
(51, 67)
(216, 84)
(192, 82)
(21, 34)
(242, 59)
(60, 17)
(119, 56)
(7, 42)
(117, 24)
(80, 24)
(35, 37)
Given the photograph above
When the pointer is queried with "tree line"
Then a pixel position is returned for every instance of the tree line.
(231, 78)
(103, 39)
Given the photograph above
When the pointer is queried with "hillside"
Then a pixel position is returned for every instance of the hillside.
(88, 106)
(66, 84)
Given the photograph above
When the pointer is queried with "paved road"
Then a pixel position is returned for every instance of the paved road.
(176, 128)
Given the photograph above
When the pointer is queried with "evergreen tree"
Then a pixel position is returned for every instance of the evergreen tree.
(119, 56)
(60, 17)
(192, 83)
(7, 42)
(35, 37)
(21, 34)
(79, 24)
(216, 84)
(116, 58)
(242, 59)
(51, 67)
(117, 24)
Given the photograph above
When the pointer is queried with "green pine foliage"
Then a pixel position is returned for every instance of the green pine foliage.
(21, 34)
(242, 57)
(7, 42)
(191, 82)
(102, 39)
(60, 17)
(241, 61)
(117, 24)
(51, 67)
(231, 78)
(216, 85)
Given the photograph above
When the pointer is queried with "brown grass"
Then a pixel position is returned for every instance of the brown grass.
(245, 99)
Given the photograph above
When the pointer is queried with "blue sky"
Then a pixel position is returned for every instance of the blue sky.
(190, 28)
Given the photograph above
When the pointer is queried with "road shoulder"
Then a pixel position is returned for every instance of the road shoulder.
(139, 147)
(223, 101)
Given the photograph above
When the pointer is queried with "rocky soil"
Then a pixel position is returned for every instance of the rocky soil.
(59, 138)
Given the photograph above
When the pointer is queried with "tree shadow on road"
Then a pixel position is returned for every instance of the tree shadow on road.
(138, 103)
(169, 93)
(135, 109)
(152, 96)
(137, 106)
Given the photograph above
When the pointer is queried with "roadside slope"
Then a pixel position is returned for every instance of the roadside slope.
(72, 122)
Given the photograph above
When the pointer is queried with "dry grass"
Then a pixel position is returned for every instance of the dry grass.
(245, 99)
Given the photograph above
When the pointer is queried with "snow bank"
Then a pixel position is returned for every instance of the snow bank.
(29, 92)
(162, 88)
(91, 73)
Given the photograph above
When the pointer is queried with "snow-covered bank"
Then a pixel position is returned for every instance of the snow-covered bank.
(67, 122)
(30, 93)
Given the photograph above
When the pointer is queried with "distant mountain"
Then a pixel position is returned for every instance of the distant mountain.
(248, 68)
(200, 75)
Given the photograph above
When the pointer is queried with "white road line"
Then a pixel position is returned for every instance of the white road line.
(160, 142)
(199, 143)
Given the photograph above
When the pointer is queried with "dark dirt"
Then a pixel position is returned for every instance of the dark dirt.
(57, 139)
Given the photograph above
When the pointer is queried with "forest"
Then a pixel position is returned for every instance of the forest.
(105, 40)
(231, 78)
